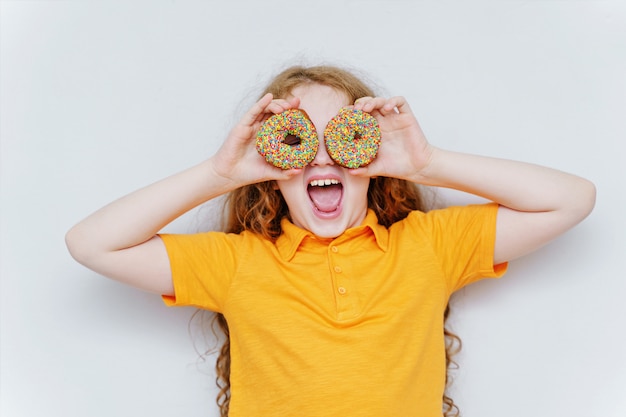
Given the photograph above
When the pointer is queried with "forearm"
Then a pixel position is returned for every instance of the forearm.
(137, 217)
(516, 185)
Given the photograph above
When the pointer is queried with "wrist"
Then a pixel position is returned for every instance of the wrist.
(426, 167)
(219, 176)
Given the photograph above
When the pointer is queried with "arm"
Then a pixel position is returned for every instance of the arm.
(119, 240)
(537, 204)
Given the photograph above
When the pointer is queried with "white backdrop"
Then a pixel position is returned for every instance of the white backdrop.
(100, 98)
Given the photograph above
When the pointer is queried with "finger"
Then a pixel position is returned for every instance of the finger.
(360, 102)
(280, 105)
(276, 107)
(374, 104)
(285, 174)
(361, 172)
(398, 104)
(256, 110)
(294, 102)
(392, 106)
(367, 104)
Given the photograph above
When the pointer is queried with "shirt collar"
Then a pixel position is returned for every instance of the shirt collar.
(292, 236)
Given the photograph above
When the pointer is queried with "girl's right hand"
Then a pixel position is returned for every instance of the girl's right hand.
(237, 160)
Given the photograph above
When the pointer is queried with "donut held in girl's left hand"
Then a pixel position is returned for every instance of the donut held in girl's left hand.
(352, 138)
(288, 140)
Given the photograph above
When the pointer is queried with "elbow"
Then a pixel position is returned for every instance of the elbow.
(76, 246)
(585, 199)
(590, 198)
(71, 243)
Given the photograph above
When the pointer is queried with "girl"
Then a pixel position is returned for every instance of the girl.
(333, 296)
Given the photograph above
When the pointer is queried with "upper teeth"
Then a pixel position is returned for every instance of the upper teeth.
(321, 183)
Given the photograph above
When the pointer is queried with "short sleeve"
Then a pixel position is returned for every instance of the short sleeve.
(203, 266)
(463, 240)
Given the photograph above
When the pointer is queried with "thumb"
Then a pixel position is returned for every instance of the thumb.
(360, 172)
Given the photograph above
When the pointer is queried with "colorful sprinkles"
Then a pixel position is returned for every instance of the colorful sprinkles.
(352, 138)
(270, 139)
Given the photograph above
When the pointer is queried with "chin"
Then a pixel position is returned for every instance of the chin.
(328, 232)
(332, 225)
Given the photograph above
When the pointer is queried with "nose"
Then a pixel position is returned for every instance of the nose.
(322, 157)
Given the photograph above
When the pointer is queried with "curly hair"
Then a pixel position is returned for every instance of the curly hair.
(260, 207)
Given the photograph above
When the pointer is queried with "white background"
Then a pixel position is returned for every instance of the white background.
(100, 98)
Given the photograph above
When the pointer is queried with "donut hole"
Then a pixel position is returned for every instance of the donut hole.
(292, 140)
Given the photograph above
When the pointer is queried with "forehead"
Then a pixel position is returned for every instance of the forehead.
(321, 102)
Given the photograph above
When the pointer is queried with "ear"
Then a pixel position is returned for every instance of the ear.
(274, 186)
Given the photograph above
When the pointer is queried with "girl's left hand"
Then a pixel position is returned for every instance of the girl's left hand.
(404, 151)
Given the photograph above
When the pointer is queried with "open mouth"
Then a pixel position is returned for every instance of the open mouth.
(325, 194)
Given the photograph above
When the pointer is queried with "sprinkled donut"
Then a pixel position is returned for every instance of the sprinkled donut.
(352, 138)
(271, 139)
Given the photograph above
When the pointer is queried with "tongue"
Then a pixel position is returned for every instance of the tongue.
(326, 198)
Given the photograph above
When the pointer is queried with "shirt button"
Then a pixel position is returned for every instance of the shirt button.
(334, 249)
(338, 269)
(341, 290)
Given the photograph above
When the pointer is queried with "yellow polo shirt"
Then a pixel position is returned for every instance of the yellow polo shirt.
(351, 326)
